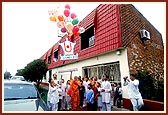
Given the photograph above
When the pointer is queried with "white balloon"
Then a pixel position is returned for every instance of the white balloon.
(81, 30)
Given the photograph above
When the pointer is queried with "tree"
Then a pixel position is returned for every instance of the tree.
(35, 70)
(7, 75)
(19, 72)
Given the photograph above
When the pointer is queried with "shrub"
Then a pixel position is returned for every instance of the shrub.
(149, 87)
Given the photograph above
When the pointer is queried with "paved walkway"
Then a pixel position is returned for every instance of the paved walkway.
(115, 108)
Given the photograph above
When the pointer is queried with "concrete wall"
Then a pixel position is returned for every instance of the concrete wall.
(101, 59)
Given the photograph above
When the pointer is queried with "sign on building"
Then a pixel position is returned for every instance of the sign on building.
(68, 48)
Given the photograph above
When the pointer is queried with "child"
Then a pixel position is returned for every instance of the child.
(94, 88)
(60, 97)
(115, 94)
(119, 95)
(89, 98)
(99, 96)
(81, 93)
(68, 98)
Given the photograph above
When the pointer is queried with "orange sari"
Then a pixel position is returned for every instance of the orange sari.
(74, 93)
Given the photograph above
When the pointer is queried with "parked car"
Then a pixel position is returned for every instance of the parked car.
(21, 78)
(22, 96)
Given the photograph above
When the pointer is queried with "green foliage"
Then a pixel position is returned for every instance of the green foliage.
(149, 87)
(19, 72)
(7, 75)
(35, 70)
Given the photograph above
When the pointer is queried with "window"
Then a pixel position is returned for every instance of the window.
(87, 38)
(85, 72)
(17, 91)
(110, 69)
(49, 59)
(56, 55)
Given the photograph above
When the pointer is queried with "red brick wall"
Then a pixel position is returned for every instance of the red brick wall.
(143, 57)
(149, 105)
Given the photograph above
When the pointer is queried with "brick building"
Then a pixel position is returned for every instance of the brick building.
(118, 39)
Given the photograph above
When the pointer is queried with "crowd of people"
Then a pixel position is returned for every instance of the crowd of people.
(83, 93)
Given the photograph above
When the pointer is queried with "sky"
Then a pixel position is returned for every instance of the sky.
(27, 32)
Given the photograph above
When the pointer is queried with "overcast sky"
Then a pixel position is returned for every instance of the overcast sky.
(27, 32)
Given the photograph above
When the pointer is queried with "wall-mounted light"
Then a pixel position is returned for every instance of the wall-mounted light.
(118, 52)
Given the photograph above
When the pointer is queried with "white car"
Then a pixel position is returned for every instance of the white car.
(22, 96)
(21, 78)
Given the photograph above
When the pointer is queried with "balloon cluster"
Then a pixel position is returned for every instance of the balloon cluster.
(67, 22)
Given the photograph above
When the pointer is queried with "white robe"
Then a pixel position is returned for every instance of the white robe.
(133, 91)
(106, 95)
(85, 84)
(53, 95)
(134, 94)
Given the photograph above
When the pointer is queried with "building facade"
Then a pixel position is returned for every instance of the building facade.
(118, 39)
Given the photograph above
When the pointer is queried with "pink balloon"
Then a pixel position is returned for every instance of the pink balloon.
(75, 29)
(67, 6)
(63, 30)
(60, 24)
(66, 12)
(73, 15)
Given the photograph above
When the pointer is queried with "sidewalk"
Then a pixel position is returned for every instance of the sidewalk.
(115, 108)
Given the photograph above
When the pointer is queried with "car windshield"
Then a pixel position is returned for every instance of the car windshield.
(19, 91)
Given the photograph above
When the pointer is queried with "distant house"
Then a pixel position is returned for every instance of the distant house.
(118, 40)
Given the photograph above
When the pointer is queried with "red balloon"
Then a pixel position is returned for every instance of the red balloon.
(73, 15)
(75, 29)
(67, 6)
(66, 12)
(76, 34)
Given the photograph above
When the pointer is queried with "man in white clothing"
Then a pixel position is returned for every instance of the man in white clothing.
(52, 96)
(85, 84)
(133, 92)
(63, 86)
(106, 94)
(55, 78)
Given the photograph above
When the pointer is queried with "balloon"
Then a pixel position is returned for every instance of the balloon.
(63, 30)
(52, 18)
(69, 26)
(70, 33)
(66, 12)
(60, 24)
(75, 21)
(81, 30)
(73, 15)
(77, 34)
(61, 18)
(67, 6)
(67, 20)
(75, 29)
